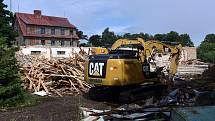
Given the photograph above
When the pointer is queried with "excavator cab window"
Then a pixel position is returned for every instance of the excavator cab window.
(132, 50)
(140, 48)
(131, 53)
(166, 49)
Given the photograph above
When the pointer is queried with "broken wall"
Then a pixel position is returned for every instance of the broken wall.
(57, 52)
(188, 53)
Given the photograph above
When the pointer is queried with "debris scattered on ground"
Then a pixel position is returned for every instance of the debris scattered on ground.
(127, 112)
(194, 113)
(209, 73)
(41, 93)
(55, 75)
(88, 114)
(152, 109)
(65, 76)
(180, 97)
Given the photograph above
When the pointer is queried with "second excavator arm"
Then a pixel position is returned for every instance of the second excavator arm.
(175, 53)
(150, 46)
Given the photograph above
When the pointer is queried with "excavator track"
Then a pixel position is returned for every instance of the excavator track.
(126, 94)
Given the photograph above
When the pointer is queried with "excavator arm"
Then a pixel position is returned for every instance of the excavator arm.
(149, 48)
(175, 52)
(121, 42)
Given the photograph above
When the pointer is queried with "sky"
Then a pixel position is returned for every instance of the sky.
(194, 17)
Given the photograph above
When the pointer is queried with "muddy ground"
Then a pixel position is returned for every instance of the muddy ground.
(52, 109)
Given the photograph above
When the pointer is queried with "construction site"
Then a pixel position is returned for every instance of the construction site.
(70, 93)
(52, 70)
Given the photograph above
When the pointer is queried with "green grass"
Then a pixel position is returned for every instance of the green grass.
(22, 100)
(12, 119)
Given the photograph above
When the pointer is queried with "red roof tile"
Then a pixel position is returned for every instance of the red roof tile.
(44, 20)
(25, 19)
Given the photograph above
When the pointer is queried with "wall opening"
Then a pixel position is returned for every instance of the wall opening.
(35, 52)
(61, 52)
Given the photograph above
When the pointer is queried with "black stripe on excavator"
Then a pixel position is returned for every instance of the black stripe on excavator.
(97, 68)
(97, 63)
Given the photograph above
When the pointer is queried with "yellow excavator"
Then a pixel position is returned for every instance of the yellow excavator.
(130, 63)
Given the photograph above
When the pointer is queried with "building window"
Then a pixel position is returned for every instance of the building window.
(35, 52)
(52, 42)
(71, 43)
(43, 42)
(32, 30)
(61, 52)
(42, 30)
(23, 42)
(52, 31)
(75, 44)
(74, 32)
(62, 42)
(62, 31)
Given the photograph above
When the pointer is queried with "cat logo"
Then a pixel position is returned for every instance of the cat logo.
(96, 69)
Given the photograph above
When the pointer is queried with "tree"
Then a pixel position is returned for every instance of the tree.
(6, 20)
(95, 40)
(185, 40)
(145, 36)
(206, 50)
(127, 36)
(10, 88)
(81, 34)
(142, 35)
(172, 36)
(209, 38)
(84, 45)
(119, 37)
(160, 37)
(108, 37)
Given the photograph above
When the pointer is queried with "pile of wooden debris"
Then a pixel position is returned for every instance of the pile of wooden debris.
(54, 75)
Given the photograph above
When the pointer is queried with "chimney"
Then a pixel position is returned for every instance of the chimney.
(37, 13)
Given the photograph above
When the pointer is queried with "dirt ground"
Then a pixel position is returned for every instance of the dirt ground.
(52, 109)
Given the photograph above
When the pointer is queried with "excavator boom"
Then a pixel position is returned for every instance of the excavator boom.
(149, 47)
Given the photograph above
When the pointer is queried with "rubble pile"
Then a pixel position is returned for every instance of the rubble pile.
(54, 75)
(126, 112)
(209, 73)
(152, 108)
